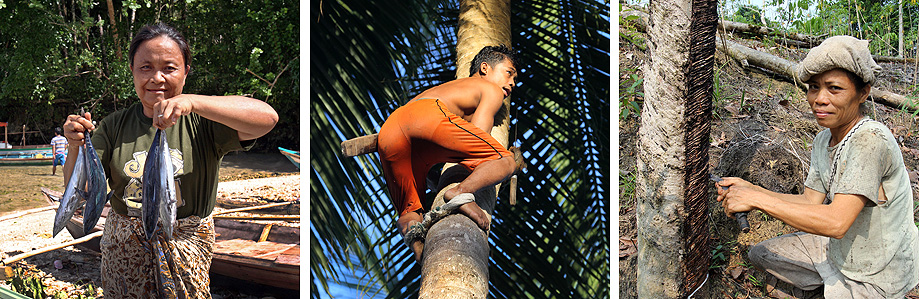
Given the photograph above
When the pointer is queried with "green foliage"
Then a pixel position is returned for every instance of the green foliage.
(627, 184)
(58, 57)
(721, 254)
(631, 96)
(369, 58)
(28, 284)
(628, 31)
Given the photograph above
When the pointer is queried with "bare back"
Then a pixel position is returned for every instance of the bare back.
(464, 96)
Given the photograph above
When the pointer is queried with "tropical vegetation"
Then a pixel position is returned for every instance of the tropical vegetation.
(369, 57)
(59, 56)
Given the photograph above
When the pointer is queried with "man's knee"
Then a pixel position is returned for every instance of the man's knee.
(758, 255)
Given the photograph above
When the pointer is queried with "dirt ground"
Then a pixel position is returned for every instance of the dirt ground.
(78, 269)
(761, 131)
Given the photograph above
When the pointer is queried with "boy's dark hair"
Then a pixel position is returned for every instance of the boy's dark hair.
(492, 55)
(149, 32)
(59, 131)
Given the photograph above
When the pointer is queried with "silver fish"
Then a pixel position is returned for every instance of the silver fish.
(96, 187)
(159, 197)
(167, 206)
(73, 194)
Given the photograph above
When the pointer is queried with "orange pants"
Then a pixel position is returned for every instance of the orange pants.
(423, 133)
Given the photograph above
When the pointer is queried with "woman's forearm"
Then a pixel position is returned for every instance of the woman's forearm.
(250, 117)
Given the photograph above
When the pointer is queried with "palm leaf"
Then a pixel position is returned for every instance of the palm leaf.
(368, 58)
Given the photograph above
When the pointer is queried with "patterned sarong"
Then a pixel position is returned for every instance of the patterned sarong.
(133, 267)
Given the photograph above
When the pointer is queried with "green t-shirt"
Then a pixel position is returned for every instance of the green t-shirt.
(881, 247)
(197, 146)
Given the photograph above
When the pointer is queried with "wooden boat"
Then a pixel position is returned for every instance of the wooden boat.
(27, 155)
(267, 254)
(293, 156)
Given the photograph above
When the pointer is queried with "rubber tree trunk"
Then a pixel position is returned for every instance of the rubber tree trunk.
(455, 258)
(673, 252)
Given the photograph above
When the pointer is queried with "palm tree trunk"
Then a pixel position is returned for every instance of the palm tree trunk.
(455, 259)
(672, 156)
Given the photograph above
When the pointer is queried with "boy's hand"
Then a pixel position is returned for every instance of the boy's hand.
(518, 159)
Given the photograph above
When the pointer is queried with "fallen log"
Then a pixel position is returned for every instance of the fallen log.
(5, 271)
(793, 39)
(776, 65)
(785, 68)
(731, 26)
(880, 58)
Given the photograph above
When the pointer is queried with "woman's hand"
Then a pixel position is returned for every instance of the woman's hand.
(74, 127)
(167, 112)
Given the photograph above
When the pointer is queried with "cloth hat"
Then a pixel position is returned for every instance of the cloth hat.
(841, 51)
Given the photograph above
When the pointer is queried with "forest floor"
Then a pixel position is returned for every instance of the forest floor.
(77, 270)
(762, 129)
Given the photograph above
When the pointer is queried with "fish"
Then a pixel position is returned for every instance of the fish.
(158, 204)
(73, 194)
(96, 196)
(167, 207)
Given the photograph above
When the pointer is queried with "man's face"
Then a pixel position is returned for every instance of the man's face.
(504, 74)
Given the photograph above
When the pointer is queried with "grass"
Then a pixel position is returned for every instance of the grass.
(627, 184)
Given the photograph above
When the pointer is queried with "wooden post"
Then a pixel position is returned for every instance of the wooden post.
(359, 146)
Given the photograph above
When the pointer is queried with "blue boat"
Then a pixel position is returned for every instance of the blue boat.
(27, 155)
(293, 156)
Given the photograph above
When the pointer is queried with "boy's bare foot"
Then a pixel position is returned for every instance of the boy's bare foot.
(417, 248)
(474, 212)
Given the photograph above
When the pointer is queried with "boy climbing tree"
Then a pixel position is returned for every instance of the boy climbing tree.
(450, 122)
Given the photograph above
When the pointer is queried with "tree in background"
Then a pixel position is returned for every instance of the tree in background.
(58, 56)
(369, 58)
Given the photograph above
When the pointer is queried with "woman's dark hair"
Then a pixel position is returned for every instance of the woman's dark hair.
(860, 85)
(492, 55)
(149, 32)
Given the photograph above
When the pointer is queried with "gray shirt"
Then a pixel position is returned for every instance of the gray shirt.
(881, 247)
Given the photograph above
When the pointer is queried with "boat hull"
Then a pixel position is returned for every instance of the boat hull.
(238, 253)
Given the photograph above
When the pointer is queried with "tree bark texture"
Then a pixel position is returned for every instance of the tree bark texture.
(660, 209)
(673, 251)
(455, 258)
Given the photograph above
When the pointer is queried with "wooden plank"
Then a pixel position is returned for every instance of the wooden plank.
(359, 146)
(289, 257)
(262, 217)
(265, 232)
(26, 212)
(277, 204)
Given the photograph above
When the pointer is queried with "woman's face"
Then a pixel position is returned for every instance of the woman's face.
(834, 99)
(159, 70)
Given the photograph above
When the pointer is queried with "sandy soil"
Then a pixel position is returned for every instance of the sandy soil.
(78, 268)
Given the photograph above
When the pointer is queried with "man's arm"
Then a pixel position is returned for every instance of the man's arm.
(491, 102)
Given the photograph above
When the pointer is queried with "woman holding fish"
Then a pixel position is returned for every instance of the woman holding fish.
(161, 158)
